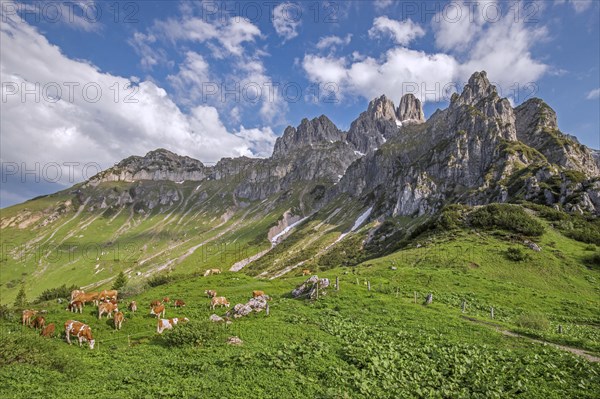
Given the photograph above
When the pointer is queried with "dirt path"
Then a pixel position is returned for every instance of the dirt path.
(497, 327)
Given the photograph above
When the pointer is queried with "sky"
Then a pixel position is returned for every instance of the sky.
(88, 83)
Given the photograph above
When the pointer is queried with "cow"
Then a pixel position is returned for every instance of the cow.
(89, 297)
(110, 294)
(39, 322)
(211, 293)
(219, 300)
(27, 316)
(119, 317)
(179, 303)
(133, 306)
(166, 299)
(113, 301)
(305, 272)
(167, 324)
(158, 311)
(75, 306)
(48, 331)
(76, 293)
(81, 331)
(108, 308)
(256, 294)
(154, 303)
(212, 271)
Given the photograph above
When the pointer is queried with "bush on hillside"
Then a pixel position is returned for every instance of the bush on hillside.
(54, 293)
(511, 218)
(194, 333)
(533, 321)
(160, 279)
(516, 254)
(593, 261)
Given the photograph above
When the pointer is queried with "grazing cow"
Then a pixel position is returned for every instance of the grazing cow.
(154, 303)
(158, 311)
(108, 294)
(179, 303)
(166, 299)
(119, 317)
(256, 294)
(305, 272)
(89, 297)
(39, 322)
(219, 300)
(75, 306)
(27, 316)
(133, 306)
(48, 331)
(211, 293)
(212, 271)
(81, 331)
(108, 308)
(167, 324)
(113, 301)
(76, 293)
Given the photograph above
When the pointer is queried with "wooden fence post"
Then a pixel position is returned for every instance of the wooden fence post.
(337, 283)
(463, 306)
(560, 329)
(492, 312)
(369, 285)
(317, 290)
(128, 340)
(357, 281)
(415, 296)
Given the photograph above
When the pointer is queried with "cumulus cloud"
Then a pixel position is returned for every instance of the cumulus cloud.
(333, 41)
(382, 4)
(103, 117)
(402, 32)
(594, 94)
(287, 19)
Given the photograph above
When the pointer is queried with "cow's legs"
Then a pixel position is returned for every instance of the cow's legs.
(68, 336)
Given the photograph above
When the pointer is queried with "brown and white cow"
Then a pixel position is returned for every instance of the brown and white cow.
(76, 293)
(158, 311)
(219, 300)
(108, 308)
(38, 322)
(305, 272)
(81, 331)
(75, 306)
(87, 297)
(155, 302)
(211, 293)
(179, 303)
(212, 271)
(27, 316)
(167, 324)
(132, 306)
(108, 294)
(166, 299)
(119, 317)
(256, 294)
(48, 331)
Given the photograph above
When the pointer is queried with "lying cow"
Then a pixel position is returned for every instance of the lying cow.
(212, 271)
(119, 317)
(167, 324)
(108, 308)
(75, 306)
(166, 299)
(81, 331)
(133, 306)
(256, 294)
(219, 300)
(48, 331)
(39, 322)
(211, 293)
(179, 303)
(305, 272)
(158, 311)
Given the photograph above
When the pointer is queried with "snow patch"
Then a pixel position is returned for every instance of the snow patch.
(286, 230)
(360, 154)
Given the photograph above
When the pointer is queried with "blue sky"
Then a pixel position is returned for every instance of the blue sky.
(213, 79)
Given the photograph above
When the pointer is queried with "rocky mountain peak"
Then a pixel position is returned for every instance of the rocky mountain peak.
(309, 132)
(410, 110)
(382, 108)
(535, 114)
(478, 88)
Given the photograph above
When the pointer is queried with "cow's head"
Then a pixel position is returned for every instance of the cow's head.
(185, 320)
(92, 342)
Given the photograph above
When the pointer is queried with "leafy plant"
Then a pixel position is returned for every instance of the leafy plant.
(533, 321)
(506, 217)
(516, 254)
(21, 299)
(120, 281)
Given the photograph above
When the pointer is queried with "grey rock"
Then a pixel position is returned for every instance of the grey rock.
(410, 110)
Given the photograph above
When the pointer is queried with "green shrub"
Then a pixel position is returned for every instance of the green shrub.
(195, 333)
(120, 281)
(533, 321)
(593, 261)
(54, 293)
(511, 218)
(516, 254)
(160, 279)
(6, 313)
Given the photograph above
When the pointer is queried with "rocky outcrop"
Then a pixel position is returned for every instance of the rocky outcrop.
(318, 131)
(374, 126)
(410, 110)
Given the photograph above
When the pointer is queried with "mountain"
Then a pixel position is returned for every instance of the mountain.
(323, 194)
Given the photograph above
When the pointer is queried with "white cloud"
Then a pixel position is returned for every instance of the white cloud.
(287, 19)
(402, 32)
(333, 41)
(594, 94)
(42, 130)
(382, 4)
(578, 5)
(189, 81)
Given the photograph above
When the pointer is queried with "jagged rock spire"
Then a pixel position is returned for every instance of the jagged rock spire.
(317, 130)
(410, 109)
(382, 108)
(479, 87)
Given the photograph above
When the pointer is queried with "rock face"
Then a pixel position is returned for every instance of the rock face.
(374, 126)
(318, 131)
(410, 110)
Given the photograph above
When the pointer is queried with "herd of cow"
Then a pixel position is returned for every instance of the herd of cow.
(107, 303)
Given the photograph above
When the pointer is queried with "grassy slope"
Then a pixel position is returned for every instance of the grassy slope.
(352, 343)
